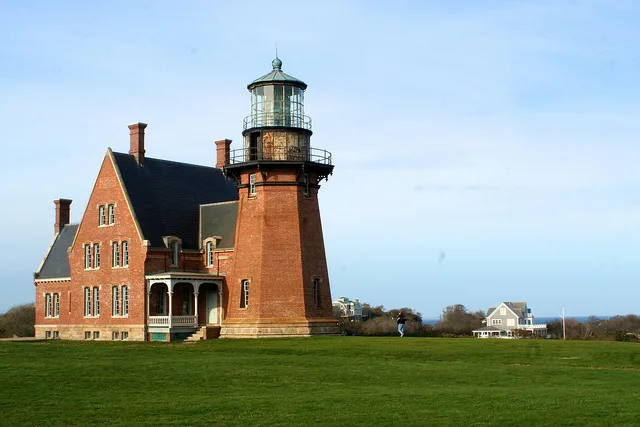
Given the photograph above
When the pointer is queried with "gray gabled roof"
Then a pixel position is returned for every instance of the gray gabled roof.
(166, 196)
(518, 308)
(56, 262)
(219, 219)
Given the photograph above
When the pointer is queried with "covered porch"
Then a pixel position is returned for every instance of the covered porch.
(492, 332)
(178, 303)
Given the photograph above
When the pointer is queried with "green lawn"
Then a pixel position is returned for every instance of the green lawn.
(339, 381)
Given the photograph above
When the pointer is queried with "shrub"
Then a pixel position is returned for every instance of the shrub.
(19, 321)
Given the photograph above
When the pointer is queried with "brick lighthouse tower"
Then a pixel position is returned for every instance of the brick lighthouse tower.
(279, 285)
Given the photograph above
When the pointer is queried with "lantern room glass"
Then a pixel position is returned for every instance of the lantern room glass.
(277, 105)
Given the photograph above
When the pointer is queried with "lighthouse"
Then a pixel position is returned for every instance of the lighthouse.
(278, 285)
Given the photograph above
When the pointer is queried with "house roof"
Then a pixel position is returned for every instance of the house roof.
(219, 219)
(518, 308)
(166, 196)
(56, 262)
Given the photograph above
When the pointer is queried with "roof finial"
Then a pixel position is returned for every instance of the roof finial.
(276, 63)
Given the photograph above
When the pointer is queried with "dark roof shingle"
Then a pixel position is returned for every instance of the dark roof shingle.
(166, 196)
(219, 219)
(56, 263)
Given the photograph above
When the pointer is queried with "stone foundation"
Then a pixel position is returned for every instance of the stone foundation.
(278, 328)
(77, 332)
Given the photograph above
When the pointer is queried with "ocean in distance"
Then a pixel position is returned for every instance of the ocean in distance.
(538, 320)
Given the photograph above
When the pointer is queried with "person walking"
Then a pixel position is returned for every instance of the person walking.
(401, 321)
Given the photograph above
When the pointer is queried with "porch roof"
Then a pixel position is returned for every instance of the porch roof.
(182, 275)
(488, 329)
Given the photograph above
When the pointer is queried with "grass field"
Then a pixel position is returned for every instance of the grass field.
(339, 381)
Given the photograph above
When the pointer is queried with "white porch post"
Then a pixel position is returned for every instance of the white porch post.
(148, 304)
(170, 310)
(195, 308)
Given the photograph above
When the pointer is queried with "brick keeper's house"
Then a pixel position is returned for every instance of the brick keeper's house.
(169, 251)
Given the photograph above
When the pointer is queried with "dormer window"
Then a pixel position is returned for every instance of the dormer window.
(209, 253)
(175, 250)
(209, 245)
(174, 245)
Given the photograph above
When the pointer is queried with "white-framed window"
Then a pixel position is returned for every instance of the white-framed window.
(125, 300)
(87, 335)
(56, 335)
(496, 321)
(96, 255)
(115, 301)
(306, 184)
(244, 297)
(112, 214)
(503, 311)
(115, 254)
(47, 335)
(175, 251)
(511, 322)
(96, 301)
(102, 216)
(316, 292)
(87, 256)
(125, 335)
(47, 305)
(209, 251)
(87, 302)
(96, 335)
(252, 184)
(56, 305)
(115, 335)
(125, 253)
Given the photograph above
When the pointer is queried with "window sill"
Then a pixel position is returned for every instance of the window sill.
(92, 317)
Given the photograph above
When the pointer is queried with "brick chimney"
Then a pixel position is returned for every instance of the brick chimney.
(136, 136)
(63, 213)
(222, 151)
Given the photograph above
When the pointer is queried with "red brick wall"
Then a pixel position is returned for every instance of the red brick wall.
(107, 190)
(279, 247)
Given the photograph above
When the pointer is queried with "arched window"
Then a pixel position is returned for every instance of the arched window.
(115, 301)
(87, 301)
(96, 301)
(47, 305)
(244, 297)
(56, 304)
(316, 292)
(125, 300)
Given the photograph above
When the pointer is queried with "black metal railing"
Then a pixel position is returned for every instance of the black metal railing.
(286, 154)
(277, 119)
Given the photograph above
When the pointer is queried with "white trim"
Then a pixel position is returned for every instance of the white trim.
(60, 279)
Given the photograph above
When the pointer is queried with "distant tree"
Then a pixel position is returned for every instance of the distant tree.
(19, 321)
(457, 320)
(370, 312)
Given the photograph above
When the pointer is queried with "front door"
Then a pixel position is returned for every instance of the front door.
(212, 307)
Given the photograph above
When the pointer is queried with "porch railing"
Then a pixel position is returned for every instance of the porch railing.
(158, 320)
(174, 321)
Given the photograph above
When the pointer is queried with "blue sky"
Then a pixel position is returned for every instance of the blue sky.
(484, 151)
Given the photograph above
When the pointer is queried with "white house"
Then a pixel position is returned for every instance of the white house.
(506, 319)
(348, 309)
